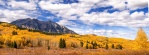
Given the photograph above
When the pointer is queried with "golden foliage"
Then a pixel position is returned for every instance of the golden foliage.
(141, 39)
(25, 38)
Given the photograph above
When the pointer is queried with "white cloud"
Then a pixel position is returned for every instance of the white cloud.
(107, 33)
(124, 18)
(8, 15)
(18, 10)
(78, 11)
(22, 5)
(137, 4)
(2, 2)
(47, 5)
(66, 10)
(138, 15)
(67, 23)
(118, 4)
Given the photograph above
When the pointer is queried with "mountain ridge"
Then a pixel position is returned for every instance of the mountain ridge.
(45, 26)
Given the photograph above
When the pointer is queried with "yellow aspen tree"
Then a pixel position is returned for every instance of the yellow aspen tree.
(141, 38)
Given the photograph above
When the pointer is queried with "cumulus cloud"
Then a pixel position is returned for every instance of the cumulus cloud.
(137, 4)
(8, 15)
(107, 33)
(68, 23)
(22, 5)
(66, 10)
(79, 11)
(17, 10)
(123, 18)
(2, 2)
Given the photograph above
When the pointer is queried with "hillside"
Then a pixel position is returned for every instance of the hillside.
(46, 26)
(25, 38)
(13, 37)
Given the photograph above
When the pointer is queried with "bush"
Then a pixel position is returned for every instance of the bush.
(94, 45)
(2, 40)
(74, 45)
(1, 46)
(9, 43)
(14, 33)
(119, 46)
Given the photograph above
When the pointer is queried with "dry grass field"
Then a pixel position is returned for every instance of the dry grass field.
(75, 51)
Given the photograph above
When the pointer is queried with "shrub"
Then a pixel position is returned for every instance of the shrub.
(94, 45)
(119, 46)
(74, 45)
(9, 43)
(14, 33)
(2, 40)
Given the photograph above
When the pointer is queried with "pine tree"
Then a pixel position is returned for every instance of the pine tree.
(81, 43)
(141, 38)
(48, 47)
(62, 43)
(87, 46)
(106, 47)
(14, 44)
(112, 46)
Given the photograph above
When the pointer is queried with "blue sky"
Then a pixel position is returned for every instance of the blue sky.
(120, 18)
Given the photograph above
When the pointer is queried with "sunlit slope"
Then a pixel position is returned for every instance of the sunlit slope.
(27, 38)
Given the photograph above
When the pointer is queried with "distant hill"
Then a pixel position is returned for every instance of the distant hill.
(45, 26)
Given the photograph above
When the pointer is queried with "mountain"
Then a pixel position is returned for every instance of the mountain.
(45, 26)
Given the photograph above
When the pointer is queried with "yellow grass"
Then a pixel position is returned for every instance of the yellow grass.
(76, 51)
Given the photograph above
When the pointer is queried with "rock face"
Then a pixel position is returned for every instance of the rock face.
(45, 26)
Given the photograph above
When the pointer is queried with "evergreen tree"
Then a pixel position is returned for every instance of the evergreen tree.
(14, 44)
(112, 46)
(106, 47)
(87, 46)
(48, 47)
(62, 43)
(81, 44)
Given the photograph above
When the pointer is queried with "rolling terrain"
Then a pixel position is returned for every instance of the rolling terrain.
(13, 39)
